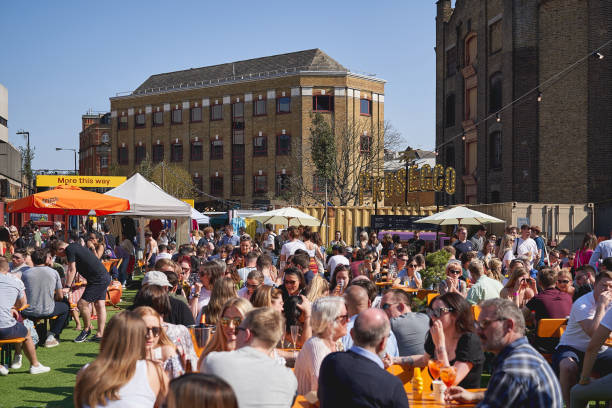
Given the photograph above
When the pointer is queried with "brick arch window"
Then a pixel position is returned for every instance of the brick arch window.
(495, 92)
(158, 153)
(196, 151)
(216, 185)
(449, 115)
(260, 145)
(283, 144)
(122, 155)
(176, 152)
(140, 152)
(495, 151)
(471, 49)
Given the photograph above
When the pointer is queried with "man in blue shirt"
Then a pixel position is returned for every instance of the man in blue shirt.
(521, 377)
(602, 251)
(229, 237)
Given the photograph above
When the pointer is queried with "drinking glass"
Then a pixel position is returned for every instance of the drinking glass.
(295, 332)
(434, 368)
(447, 375)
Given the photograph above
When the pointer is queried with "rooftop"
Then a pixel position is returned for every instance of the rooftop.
(307, 61)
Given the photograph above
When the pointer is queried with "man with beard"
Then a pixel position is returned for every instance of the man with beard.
(521, 377)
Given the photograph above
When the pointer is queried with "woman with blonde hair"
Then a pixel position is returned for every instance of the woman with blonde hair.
(583, 256)
(520, 288)
(120, 376)
(223, 290)
(565, 283)
(317, 288)
(268, 296)
(495, 267)
(224, 339)
(506, 253)
(158, 345)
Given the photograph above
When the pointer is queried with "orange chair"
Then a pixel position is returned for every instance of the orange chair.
(7, 348)
(430, 297)
(551, 328)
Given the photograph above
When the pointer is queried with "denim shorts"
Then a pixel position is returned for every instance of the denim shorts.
(13, 332)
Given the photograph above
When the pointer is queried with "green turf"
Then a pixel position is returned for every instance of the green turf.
(52, 389)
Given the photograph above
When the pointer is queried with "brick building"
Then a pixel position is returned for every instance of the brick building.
(552, 146)
(241, 129)
(95, 144)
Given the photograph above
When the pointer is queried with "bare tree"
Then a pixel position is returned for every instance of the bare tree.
(335, 156)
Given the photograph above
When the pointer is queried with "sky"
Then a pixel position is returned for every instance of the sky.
(60, 59)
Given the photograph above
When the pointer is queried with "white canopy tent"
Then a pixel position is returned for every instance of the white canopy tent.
(147, 200)
(199, 217)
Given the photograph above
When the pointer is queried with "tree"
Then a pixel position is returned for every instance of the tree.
(27, 156)
(335, 156)
(173, 179)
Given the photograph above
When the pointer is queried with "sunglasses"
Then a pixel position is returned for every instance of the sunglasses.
(454, 271)
(225, 321)
(563, 281)
(289, 282)
(439, 311)
(253, 286)
(412, 265)
(155, 331)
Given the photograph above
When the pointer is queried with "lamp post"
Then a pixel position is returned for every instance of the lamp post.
(75, 157)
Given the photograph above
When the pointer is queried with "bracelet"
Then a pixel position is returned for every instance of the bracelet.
(196, 295)
(516, 294)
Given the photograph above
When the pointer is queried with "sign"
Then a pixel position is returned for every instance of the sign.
(79, 181)
(189, 201)
(399, 222)
(437, 179)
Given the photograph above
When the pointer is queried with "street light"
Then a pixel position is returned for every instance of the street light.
(75, 154)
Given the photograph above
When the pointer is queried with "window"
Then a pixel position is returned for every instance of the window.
(495, 92)
(449, 156)
(259, 107)
(365, 107)
(176, 152)
(237, 159)
(365, 143)
(470, 50)
(196, 151)
(139, 120)
(216, 112)
(238, 184)
(123, 122)
(471, 103)
(260, 146)
(323, 103)
(238, 137)
(282, 183)
(3, 121)
(198, 184)
(451, 62)
(140, 152)
(495, 37)
(283, 145)
(495, 151)
(495, 197)
(450, 110)
(177, 116)
(196, 114)
(105, 138)
(283, 105)
(158, 118)
(238, 110)
(318, 184)
(158, 153)
(216, 185)
(216, 149)
(103, 162)
(122, 155)
(260, 184)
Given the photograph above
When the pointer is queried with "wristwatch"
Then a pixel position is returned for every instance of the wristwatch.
(584, 380)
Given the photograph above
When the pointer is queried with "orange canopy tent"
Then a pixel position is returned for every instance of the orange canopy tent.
(69, 200)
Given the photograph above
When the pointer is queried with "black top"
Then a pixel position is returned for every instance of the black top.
(469, 350)
(179, 313)
(347, 379)
(87, 264)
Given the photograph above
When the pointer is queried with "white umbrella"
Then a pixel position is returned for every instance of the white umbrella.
(286, 216)
(459, 216)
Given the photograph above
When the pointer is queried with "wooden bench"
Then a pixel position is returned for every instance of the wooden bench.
(551, 328)
(7, 348)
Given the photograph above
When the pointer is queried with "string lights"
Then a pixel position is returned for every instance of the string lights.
(597, 54)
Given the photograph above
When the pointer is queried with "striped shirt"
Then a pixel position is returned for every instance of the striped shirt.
(522, 378)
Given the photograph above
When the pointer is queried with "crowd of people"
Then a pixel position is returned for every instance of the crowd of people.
(274, 301)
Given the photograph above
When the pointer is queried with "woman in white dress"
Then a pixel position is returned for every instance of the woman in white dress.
(328, 320)
(121, 376)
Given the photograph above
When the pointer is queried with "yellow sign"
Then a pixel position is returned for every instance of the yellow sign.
(425, 179)
(79, 181)
(189, 201)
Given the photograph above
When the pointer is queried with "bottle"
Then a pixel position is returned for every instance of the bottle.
(417, 384)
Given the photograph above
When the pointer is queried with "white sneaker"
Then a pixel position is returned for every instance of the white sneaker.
(3, 370)
(39, 369)
(17, 360)
(51, 341)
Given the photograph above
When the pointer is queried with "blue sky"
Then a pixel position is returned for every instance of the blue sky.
(59, 59)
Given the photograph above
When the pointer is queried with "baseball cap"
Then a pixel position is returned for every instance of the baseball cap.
(156, 278)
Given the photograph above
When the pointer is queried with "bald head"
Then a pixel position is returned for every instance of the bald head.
(371, 329)
(356, 299)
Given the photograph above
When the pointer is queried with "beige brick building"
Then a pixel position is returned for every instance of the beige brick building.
(241, 129)
(554, 145)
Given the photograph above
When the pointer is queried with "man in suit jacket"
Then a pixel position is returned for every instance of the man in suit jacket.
(357, 378)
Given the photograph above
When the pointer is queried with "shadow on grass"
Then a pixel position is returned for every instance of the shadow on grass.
(55, 391)
(91, 355)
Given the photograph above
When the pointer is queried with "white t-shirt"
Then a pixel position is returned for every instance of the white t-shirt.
(583, 309)
(606, 321)
(269, 245)
(290, 247)
(334, 261)
(527, 247)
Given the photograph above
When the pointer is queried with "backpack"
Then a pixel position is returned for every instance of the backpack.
(277, 245)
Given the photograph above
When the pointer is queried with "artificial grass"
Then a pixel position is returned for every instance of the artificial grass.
(54, 389)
